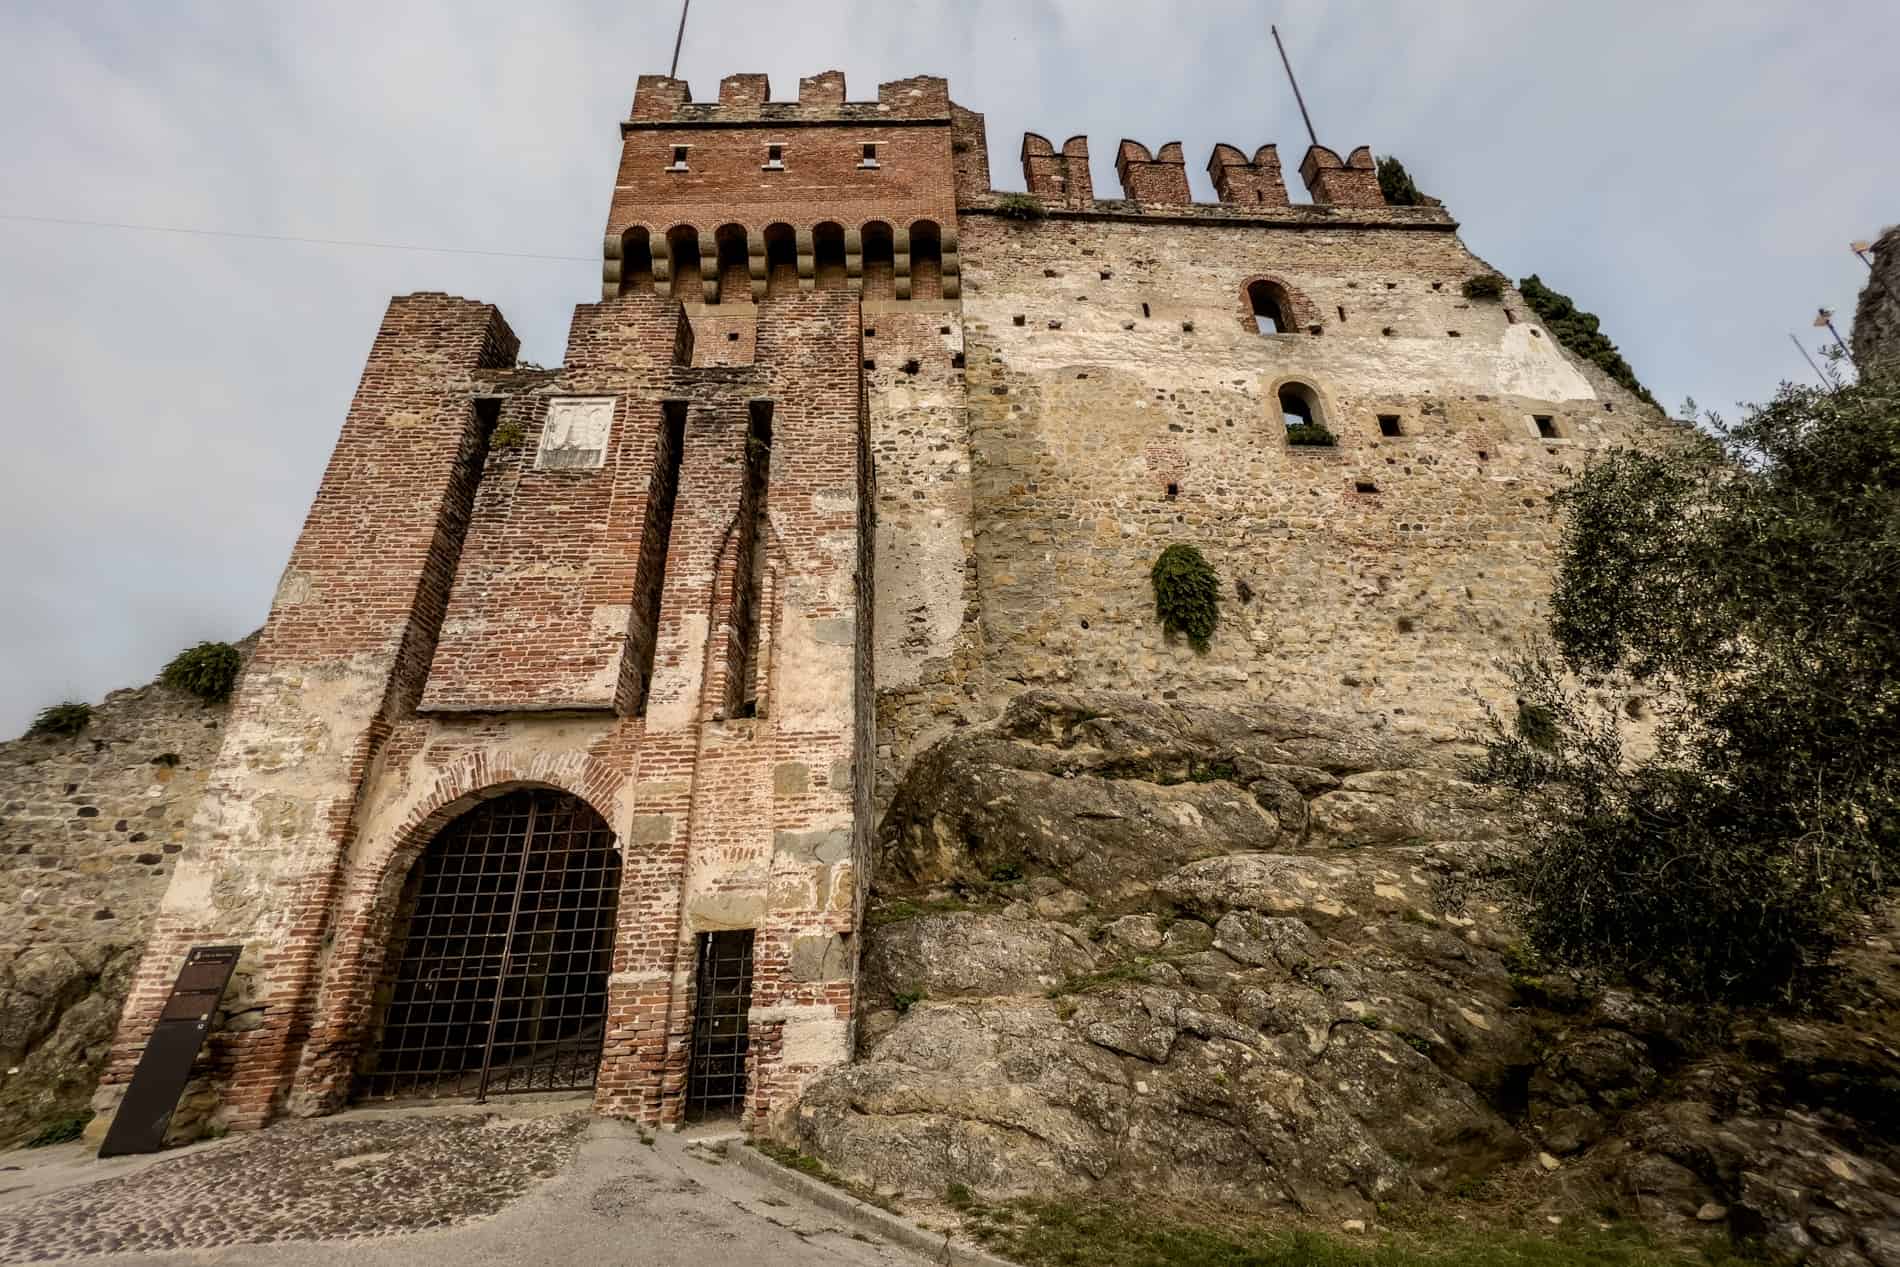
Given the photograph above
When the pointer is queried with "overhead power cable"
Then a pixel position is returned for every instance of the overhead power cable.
(286, 237)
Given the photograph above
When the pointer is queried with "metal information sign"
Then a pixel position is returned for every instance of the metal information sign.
(165, 1067)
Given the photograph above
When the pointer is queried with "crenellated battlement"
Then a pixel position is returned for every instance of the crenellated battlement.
(747, 98)
(1159, 179)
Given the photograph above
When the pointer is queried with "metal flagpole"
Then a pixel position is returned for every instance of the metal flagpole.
(1810, 360)
(1311, 135)
(678, 40)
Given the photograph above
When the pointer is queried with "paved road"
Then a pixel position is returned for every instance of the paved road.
(523, 1186)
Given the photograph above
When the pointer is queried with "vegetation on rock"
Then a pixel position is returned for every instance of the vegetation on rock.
(1743, 583)
(208, 670)
(60, 1130)
(1579, 331)
(1020, 207)
(66, 719)
(1310, 435)
(1396, 183)
(1187, 594)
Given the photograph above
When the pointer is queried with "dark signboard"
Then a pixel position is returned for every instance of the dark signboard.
(139, 1125)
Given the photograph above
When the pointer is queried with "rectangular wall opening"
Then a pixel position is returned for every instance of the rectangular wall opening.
(716, 1076)
(1546, 426)
(650, 576)
(743, 676)
(1389, 425)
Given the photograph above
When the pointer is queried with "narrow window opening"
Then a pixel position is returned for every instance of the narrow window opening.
(679, 159)
(742, 682)
(868, 158)
(1269, 316)
(1305, 423)
(1174, 490)
(775, 158)
(488, 417)
(956, 360)
(1144, 310)
(1546, 426)
(1341, 310)
(716, 1074)
(1483, 455)
(828, 262)
(650, 572)
(1389, 425)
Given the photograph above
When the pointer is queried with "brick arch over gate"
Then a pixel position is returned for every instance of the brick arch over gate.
(346, 1001)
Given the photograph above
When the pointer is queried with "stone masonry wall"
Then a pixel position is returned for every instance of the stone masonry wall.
(1121, 399)
(1876, 336)
(90, 830)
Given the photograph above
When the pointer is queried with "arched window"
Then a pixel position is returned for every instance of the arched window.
(1303, 415)
(1270, 308)
(682, 248)
(735, 277)
(880, 271)
(781, 260)
(926, 260)
(636, 262)
(827, 242)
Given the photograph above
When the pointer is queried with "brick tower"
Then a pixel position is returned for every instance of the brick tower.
(593, 639)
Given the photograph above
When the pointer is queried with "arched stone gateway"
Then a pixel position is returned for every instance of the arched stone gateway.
(503, 943)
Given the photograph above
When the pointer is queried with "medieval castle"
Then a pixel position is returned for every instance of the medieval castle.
(558, 761)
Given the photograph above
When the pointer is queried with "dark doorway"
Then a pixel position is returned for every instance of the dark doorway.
(499, 983)
(716, 1081)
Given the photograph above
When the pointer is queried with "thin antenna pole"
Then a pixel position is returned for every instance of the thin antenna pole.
(1311, 135)
(1845, 350)
(1810, 360)
(679, 39)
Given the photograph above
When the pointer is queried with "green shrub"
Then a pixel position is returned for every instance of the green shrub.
(1396, 184)
(1578, 331)
(1020, 207)
(1311, 435)
(1187, 594)
(60, 1130)
(208, 670)
(1485, 286)
(509, 435)
(1743, 582)
(62, 719)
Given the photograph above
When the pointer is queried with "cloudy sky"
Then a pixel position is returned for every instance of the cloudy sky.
(1690, 171)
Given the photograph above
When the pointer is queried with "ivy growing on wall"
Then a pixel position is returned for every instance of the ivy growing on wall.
(1578, 331)
(62, 719)
(1187, 594)
(1020, 207)
(208, 670)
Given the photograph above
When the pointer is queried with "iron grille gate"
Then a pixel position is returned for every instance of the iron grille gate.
(501, 985)
(716, 1080)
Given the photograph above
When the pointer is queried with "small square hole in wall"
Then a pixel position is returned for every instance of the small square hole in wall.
(1438, 285)
(1452, 334)
(943, 329)
(1546, 426)
(1389, 425)
(1364, 486)
(912, 366)
(869, 364)
(870, 332)
(1406, 624)
(1391, 285)
(1105, 274)
(1387, 332)
(1174, 491)
(1484, 455)
(956, 360)
(732, 336)
(1019, 319)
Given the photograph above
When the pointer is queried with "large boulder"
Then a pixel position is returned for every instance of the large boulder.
(1124, 947)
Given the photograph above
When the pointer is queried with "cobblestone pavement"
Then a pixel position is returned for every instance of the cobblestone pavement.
(374, 1176)
(519, 1186)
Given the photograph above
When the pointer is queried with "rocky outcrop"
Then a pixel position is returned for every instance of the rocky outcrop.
(90, 827)
(1121, 946)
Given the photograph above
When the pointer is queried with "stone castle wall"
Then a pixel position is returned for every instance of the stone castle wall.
(1876, 336)
(91, 828)
(1120, 399)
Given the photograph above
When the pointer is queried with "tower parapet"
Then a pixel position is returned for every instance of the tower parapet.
(1353, 182)
(1059, 178)
(1254, 182)
(1153, 178)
